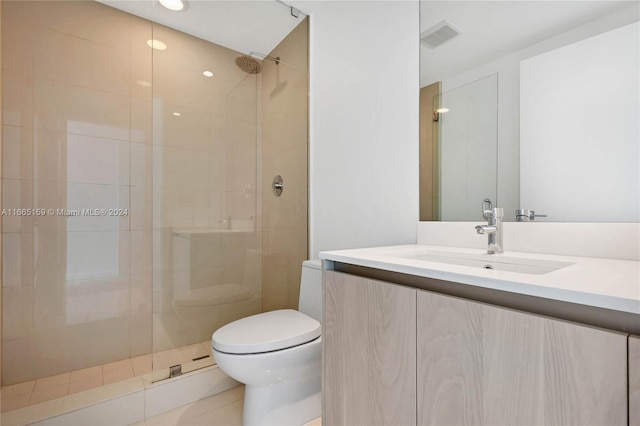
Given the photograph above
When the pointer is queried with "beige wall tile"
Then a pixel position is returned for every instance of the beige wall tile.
(17, 99)
(48, 394)
(17, 390)
(117, 371)
(86, 373)
(191, 130)
(285, 152)
(18, 257)
(85, 384)
(108, 25)
(15, 402)
(17, 194)
(142, 364)
(17, 146)
(141, 130)
(49, 382)
(77, 61)
(74, 109)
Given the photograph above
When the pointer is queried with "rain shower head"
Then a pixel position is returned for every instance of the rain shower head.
(248, 64)
(252, 63)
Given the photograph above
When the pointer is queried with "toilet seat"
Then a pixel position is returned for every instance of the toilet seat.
(266, 332)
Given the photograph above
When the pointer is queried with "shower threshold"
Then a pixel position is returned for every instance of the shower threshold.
(107, 377)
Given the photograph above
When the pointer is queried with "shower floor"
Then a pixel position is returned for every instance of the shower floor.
(45, 389)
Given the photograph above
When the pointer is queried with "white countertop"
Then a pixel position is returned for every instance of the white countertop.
(604, 283)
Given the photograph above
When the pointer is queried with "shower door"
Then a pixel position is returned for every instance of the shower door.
(206, 244)
(223, 246)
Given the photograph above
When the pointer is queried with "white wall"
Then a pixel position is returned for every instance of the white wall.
(364, 105)
(597, 128)
(608, 240)
(508, 68)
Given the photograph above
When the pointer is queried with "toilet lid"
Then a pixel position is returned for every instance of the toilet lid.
(266, 332)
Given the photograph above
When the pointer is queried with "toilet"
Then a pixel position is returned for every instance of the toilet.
(277, 356)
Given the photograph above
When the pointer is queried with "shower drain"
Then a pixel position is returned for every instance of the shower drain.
(200, 357)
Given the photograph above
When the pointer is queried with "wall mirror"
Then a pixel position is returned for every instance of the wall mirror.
(545, 97)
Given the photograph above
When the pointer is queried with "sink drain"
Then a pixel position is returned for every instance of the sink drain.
(488, 267)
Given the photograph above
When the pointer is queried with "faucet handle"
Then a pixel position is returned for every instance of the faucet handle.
(487, 208)
(525, 215)
(533, 215)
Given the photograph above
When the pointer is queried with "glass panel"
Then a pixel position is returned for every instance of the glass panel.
(135, 192)
(76, 284)
(206, 244)
(467, 131)
(216, 129)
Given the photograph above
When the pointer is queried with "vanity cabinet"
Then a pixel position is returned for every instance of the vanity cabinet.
(396, 355)
(480, 364)
(634, 380)
(369, 352)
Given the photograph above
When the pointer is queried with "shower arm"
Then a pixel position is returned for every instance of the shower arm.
(277, 60)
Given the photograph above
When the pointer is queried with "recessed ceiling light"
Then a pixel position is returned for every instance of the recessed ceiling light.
(156, 44)
(174, 5)
(207, 73)
(177, 114)
(143, 83)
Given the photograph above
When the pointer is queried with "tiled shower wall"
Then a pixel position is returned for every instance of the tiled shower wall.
(88, 123)
(285, 152)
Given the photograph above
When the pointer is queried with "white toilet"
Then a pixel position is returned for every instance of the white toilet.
(277, 356)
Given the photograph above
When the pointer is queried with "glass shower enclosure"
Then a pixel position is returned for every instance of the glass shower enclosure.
(137, 212)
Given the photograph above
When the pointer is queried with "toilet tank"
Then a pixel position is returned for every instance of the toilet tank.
(310, 302)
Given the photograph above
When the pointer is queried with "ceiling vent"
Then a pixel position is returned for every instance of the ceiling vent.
(439, 33)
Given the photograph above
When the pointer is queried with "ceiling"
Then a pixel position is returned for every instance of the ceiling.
(491, 29)
(244, 26)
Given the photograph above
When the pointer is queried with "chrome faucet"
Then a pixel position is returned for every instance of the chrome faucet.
(493, 228)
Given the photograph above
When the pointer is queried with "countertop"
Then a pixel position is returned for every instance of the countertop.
(597, 282)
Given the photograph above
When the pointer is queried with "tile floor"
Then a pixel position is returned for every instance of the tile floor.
(222, 409)
(34, 392)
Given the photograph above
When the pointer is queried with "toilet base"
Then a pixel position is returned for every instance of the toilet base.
(290, 403)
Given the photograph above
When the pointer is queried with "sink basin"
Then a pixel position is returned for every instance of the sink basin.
(498, 262)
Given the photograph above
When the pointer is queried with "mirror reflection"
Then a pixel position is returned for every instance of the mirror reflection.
(567, 133)
(465, 166)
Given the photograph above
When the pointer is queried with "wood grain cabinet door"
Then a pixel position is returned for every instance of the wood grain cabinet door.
(634, 380)
(369, 352)
(484, 365)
